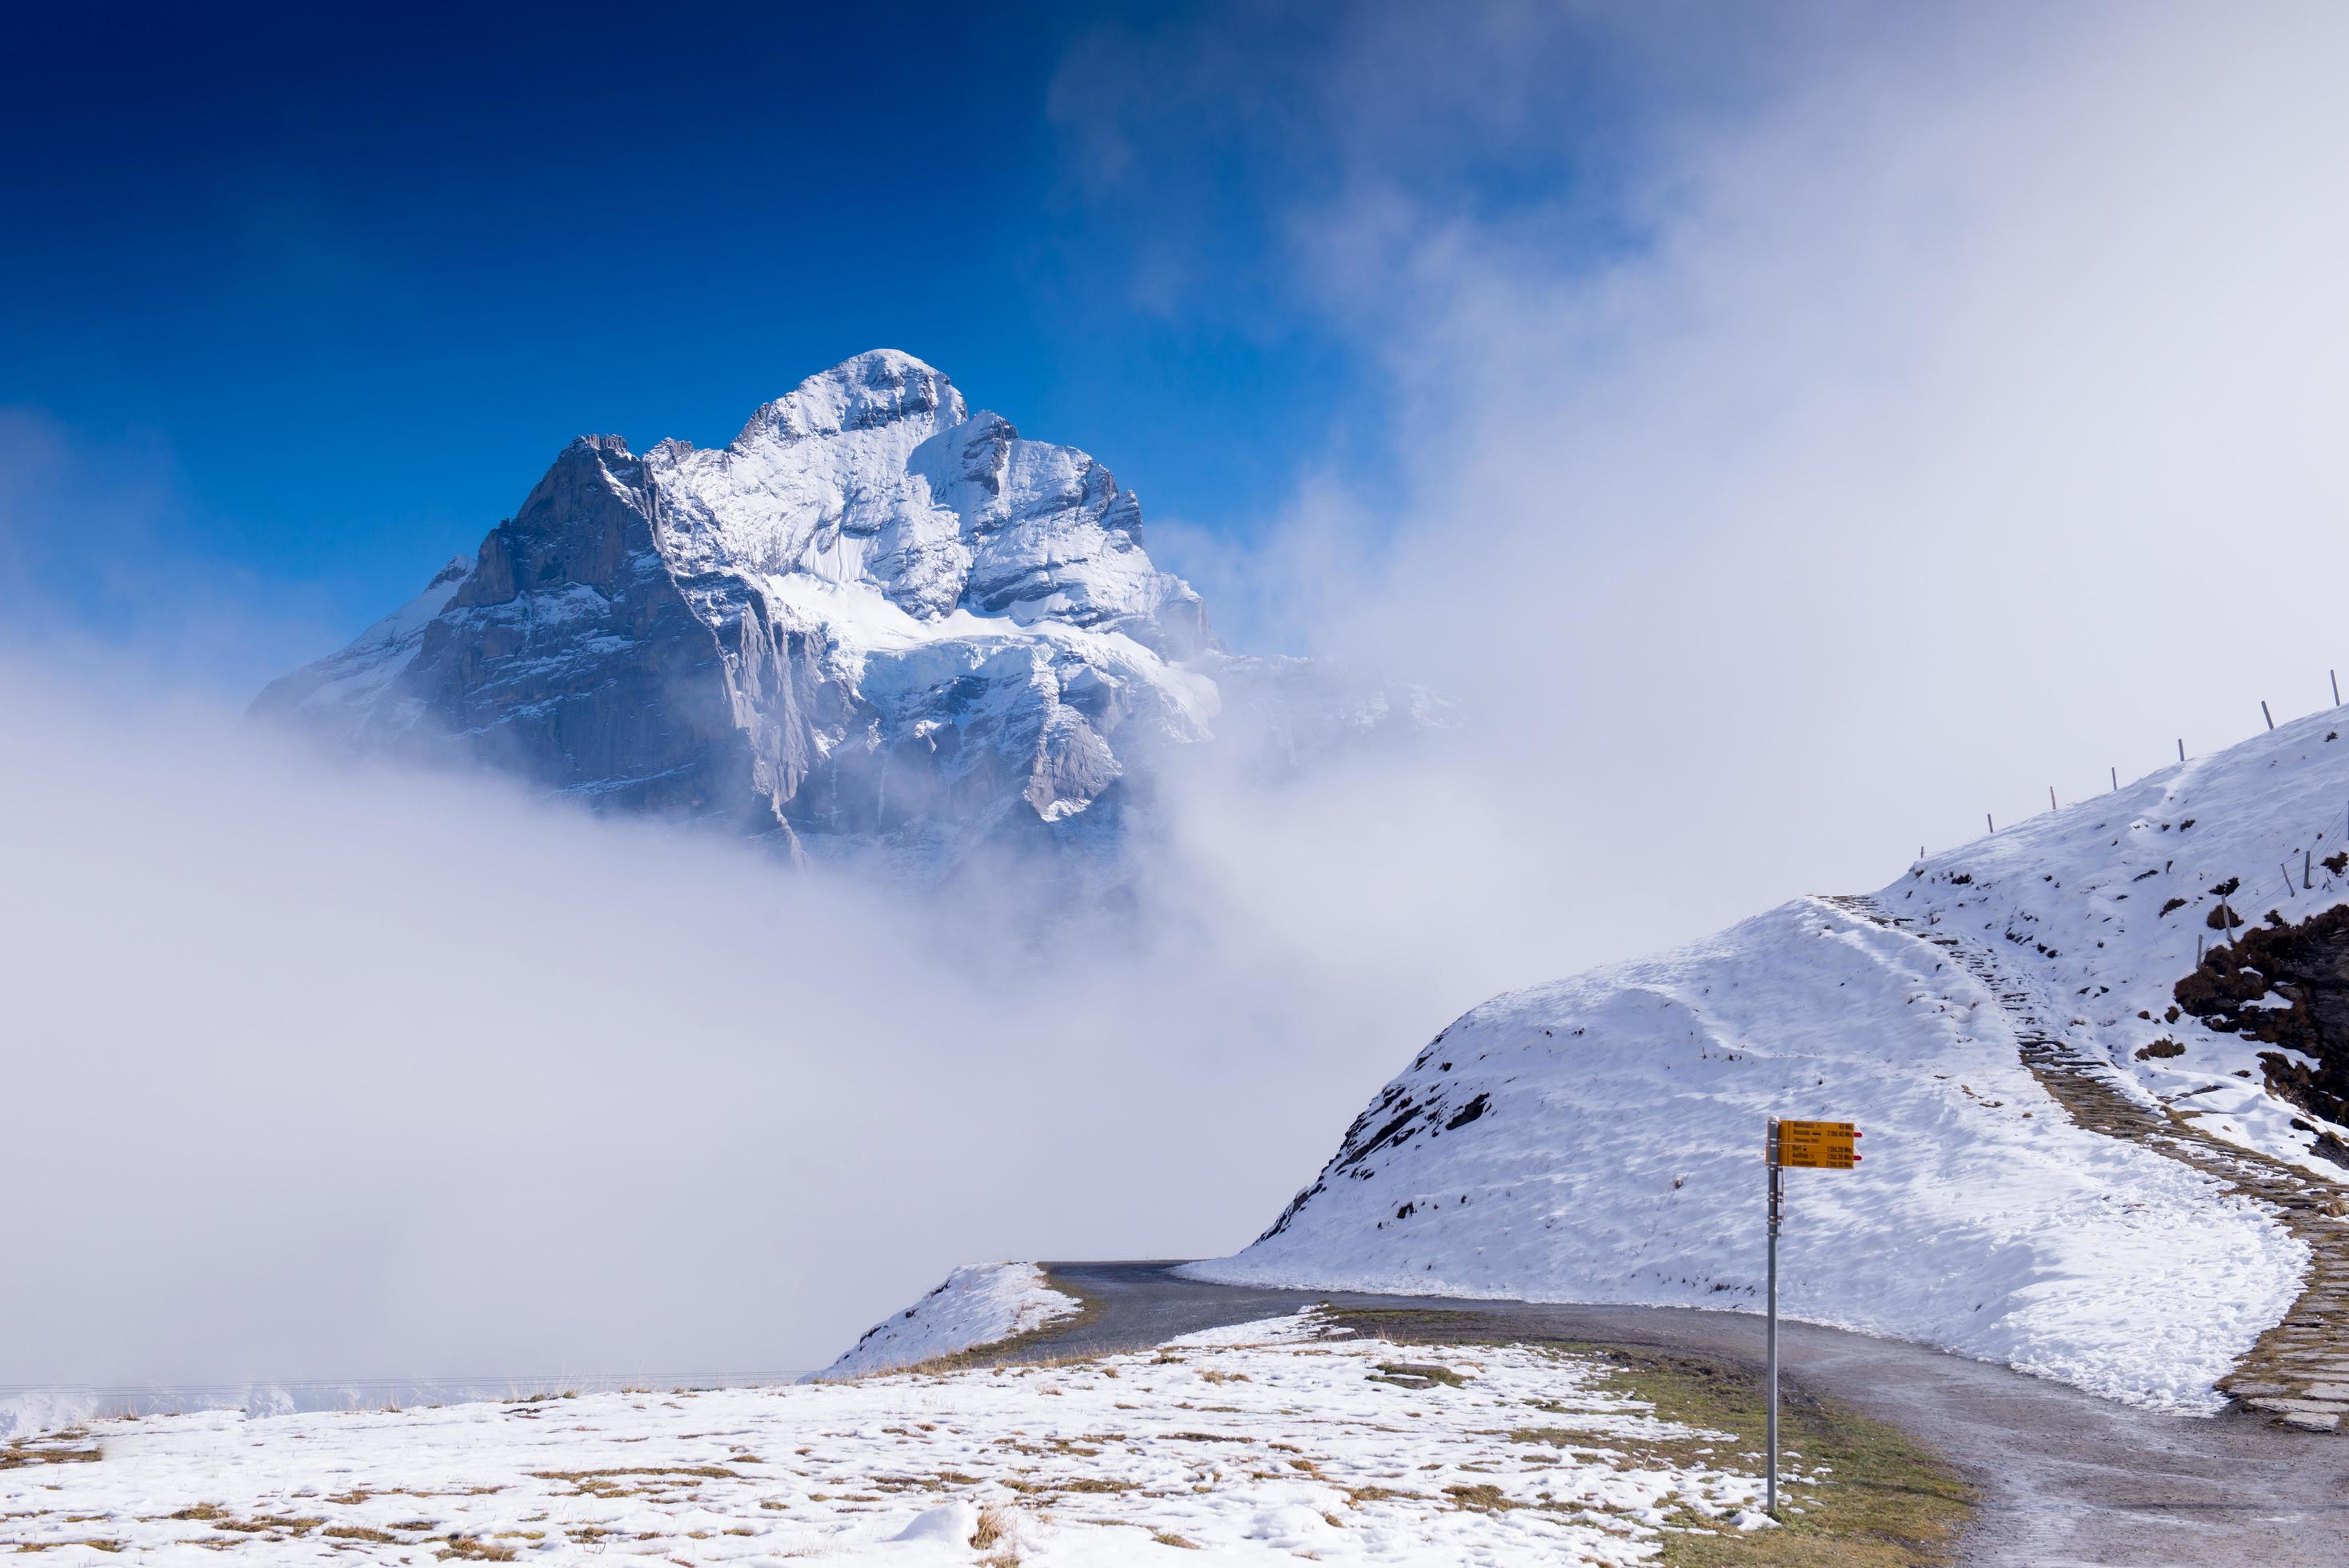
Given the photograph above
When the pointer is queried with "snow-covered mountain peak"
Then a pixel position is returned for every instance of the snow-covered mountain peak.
(880, 387)
(874, 618)
(459, 568)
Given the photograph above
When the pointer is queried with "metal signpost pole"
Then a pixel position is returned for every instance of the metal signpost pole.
(1770, 1503)
(1811, 1145)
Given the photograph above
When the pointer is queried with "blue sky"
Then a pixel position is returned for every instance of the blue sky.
(327, 287)
(1562, 356)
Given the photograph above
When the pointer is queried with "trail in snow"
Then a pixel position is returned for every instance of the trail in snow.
(2298, 1372)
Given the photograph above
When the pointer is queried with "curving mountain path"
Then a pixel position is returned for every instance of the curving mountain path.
(2298, 1373)
(2066, 1478)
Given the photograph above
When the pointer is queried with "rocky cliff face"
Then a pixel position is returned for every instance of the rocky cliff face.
(874, 621)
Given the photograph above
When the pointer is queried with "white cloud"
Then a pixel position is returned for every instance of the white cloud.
(315, 1073)
(1955, 417)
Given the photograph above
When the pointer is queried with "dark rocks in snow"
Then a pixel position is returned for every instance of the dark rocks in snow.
(2307, 965)
(1468, 1113)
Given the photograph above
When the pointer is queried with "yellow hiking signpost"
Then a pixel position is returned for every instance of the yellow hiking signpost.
(1820, 1145)
(1805, 1145)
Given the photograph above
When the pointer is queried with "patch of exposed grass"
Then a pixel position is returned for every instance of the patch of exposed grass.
(473, 1548)
(994, 1525)
(51, 1449)
(613, 1482)
(1413, 1325)
(1887, 1502)
(268, 1524)
(95, 1544)
(708, 1472)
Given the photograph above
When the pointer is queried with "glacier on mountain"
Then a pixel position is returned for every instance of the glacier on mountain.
(875, 619)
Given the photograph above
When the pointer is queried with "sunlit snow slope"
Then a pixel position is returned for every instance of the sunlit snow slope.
(1600, 1138)
(978, 1304)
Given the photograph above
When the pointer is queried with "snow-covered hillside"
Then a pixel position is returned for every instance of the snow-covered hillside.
(1600, 1138)
(875, 620)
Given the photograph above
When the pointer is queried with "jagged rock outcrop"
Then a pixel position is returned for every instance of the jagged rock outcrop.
(875, 620)
(2237, 988)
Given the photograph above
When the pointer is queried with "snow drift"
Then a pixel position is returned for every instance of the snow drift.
(978, 1304)
(1599, 1138)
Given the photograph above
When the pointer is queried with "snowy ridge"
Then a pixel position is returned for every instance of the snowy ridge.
(2104, 907)
(1599, 1139)
(26, 1412)
(874, 621)
(978, 1304)
(358, 686)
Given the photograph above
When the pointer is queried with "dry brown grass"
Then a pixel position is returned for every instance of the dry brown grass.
(269, 1523)
(51, 1449)
(708, 1472)
(994, 1525)
(96, 1543)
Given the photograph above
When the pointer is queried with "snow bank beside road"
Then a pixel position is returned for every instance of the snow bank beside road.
(979, 1303)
